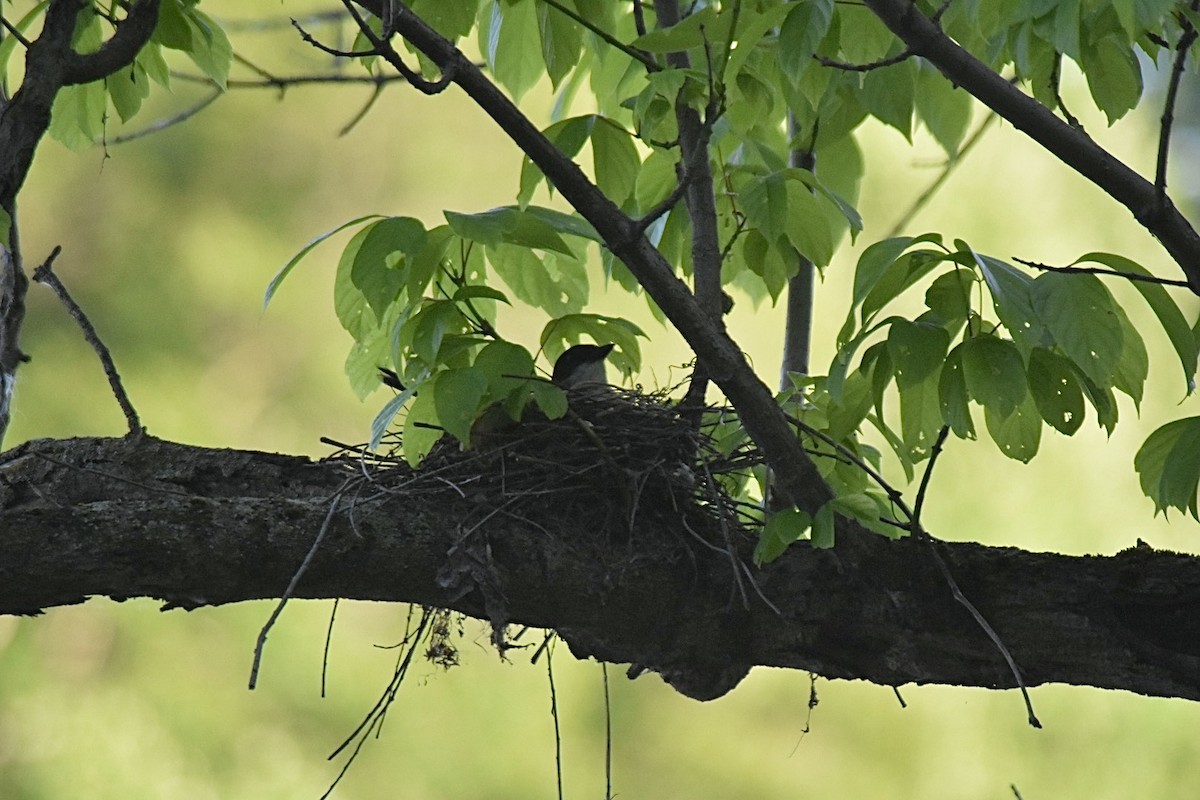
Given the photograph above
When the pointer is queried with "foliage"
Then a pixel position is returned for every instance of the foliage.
(767, 79)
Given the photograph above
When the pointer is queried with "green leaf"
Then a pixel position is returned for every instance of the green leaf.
(528, 227)
(806, 224)
(1019, 433)
(1081, 315)
(1113, 74)
(1168, 466)
(210, 49)
(549, 398)
(949, 297)
(349, 303)
(432, 324)
(505, 42)
(128, 87)
(568, 136)
(77, 116)
(383, 420)
(1056, 390)
(1010, 290)
(872, 265)
(1134, 364)
(5, 228)
(889, 95)
(421, 427)
(1167, 311)
(823, 523)
(783, 528)
(918, 350)
(451, 19)
(953, 395)
(561, 291)
(615, 159)
(1101, 398)
(372, 272)
(474, 292)
(899, 276)
(693, 30)
(561, 42)
(508, 369)
(803, 29)
(943, 107)
(994, 373)
(458, 396)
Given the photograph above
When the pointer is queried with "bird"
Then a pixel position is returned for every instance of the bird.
(581, 365)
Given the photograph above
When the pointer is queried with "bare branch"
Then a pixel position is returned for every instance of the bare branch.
(45, 275)
(1186, 40)
(1104, 271)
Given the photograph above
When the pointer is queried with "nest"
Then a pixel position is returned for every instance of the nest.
(619, 463)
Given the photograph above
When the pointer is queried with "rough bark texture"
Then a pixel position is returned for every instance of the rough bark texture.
(194, 527)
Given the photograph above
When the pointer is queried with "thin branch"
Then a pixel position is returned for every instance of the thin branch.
(642, 56)
(919, 531)
(383, 48)
(890, 61)
(932, 189)
(163, 124)
(308, 38)
(12, 30)
(45, 275)
(1168, 116)
(1109, 273)
(288, 593)
(558, 762)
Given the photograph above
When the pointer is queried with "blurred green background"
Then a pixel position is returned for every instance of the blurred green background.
(169, 242)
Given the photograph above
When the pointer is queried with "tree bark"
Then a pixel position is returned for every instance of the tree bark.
(195, 527)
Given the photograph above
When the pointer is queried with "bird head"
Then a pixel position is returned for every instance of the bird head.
(581, 365)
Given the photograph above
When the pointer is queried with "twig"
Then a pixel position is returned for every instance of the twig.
(328, 641)
(608, 740)
(1112, 273)
(1168, 116)
(261, 644)
(168, 122)
(558, 772)
(919, 532)
(16, 34)
(890, 61)
(383, 48)
(45, 275)
(927, 195)
(638, 55)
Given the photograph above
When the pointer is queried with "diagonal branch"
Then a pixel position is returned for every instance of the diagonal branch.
(1154, 211)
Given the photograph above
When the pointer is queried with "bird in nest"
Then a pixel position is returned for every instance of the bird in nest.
(579, 368)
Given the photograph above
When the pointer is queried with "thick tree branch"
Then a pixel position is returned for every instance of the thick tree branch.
(1154, 211)
(194, 527)
(797, 477)
(119, 51)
